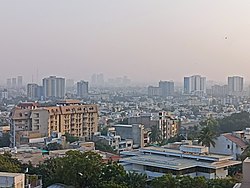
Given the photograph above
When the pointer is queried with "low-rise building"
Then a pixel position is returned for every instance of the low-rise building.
(136, 132)
(188, 160)
(16, 180)
(114, 140)
(229, 144)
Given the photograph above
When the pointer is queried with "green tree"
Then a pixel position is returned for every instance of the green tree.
(76, 169)
(135, 180)
(206, 137)
(165, 181)
(155, 135)
(54, 146)
(103, 147)
(237, 121)
(9, 164)
(113, 172)
(70, 138)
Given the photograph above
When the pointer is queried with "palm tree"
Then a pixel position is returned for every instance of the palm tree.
(207, 136)
(155, 135)
(135, 180)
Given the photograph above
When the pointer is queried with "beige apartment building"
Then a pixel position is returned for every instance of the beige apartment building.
(77, 120)
(168, 125)
(68, 116)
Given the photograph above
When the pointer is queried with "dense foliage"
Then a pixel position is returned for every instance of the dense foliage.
(88, 170)
(54, 146)
(235, 122)
(9, 164)
(70, 138)
(168, 181)
(103, 147)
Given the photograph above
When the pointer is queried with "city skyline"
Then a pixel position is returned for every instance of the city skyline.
(163, 39)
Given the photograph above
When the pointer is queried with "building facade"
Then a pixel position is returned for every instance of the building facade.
(35, 92)
(195, 85)
(189, 160)
(154, 91)
(166, 88)
(219, 91)
(168, 125)
(235, 85)
(67, 117)
(54, 87)
(82, 89)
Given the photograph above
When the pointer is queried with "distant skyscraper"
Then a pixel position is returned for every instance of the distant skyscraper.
(235, 85)
(54, 87)
(4, 94)
(32, 91)
(219, 91)
(97, 80)
(100, 79)
(8, 82)
(154, 91)
(195, 85)
(93, 79)
(13, 82)
(82, 89)
(70, 85)
(166, 88)
(19, 81)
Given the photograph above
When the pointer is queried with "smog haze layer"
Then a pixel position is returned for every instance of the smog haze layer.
(144, 39)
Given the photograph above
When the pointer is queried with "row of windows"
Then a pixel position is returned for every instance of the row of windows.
(179, 172)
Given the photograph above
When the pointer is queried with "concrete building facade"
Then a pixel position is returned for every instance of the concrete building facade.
(166, 88)
(235, 85)
(168, 125)
(82, 89)
(67, 117)
(188, 160)
(54, 87)
(195, 85)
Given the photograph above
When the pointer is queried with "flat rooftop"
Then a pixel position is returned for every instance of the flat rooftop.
(175, 163)
(178, 153)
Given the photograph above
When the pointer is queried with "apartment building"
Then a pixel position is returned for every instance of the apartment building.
(168, 125)
(66, 117)
(82, 89)
(195, 85)
(54, 87)
(235, 85)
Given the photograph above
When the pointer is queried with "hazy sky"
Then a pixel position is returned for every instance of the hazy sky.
(143, 39)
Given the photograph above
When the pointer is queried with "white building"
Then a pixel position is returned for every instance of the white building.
(229, 144)
(54, 87)
(195, 85)
(82, 89)
(188, 160)
(235, 85)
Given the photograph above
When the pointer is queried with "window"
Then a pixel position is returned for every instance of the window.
(228, 146)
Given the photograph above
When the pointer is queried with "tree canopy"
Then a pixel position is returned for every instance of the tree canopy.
(88, 170)
(235, 122)
(9, 164)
